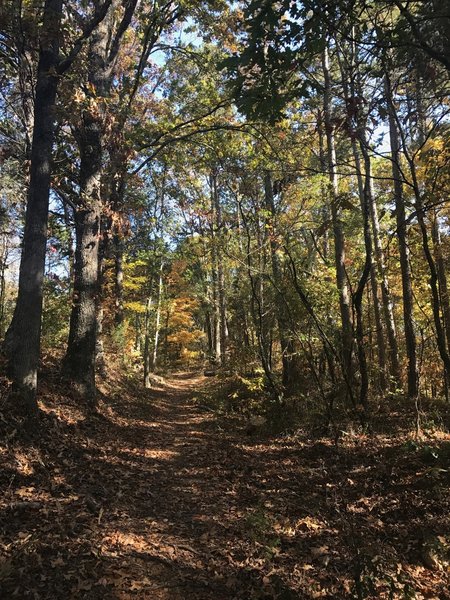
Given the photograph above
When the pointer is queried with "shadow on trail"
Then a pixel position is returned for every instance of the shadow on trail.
(154, 500)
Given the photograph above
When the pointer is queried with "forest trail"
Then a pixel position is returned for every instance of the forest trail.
(158, 498)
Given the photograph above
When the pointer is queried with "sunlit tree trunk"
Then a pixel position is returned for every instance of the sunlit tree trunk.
(402, 235)
(386, 300)
(338, 231)
(220, 300)
(286, 343)
(147, 344)
(157, 319)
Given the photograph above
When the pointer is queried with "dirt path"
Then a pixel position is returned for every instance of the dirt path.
(159, 499)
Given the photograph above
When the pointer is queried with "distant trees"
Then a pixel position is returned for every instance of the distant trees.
(310, 223)
(283, 45)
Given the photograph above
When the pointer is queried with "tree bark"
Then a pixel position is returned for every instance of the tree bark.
(220, 304)
(386, 301)
(79, 361)
(154, 357)
(442, 274)
(402, 235)
(147, 350)
(339, 240)
(286, 343)
(22, 342)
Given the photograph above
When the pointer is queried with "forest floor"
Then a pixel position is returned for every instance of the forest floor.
(156, 497)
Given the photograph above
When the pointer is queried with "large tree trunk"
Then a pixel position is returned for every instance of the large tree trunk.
(22, 342)
(79, 362)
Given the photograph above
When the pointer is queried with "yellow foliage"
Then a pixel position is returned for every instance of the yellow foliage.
(135, 306)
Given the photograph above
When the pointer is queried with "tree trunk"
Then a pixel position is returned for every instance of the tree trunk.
(79, 361)
(402, 235)
(286, 343)
(3, 267)
(157, 320)
(380, 262)
(358, 296)
(434, 271)
(365, 189)
(222, 328)
(442, 275)
(118, 278)
(433, 266)
(257, 309)
(118, 187)
(215, 312)
(22, 342)
(147, 350)
(339, 241)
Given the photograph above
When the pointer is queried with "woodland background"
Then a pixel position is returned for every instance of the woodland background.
(255, 190)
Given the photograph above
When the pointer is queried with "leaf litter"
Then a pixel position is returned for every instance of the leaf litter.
(152, 497)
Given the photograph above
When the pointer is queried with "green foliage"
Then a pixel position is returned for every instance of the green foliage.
(269, 72)
(119, 336)
(245, 395)
(55, 322)
(259, 526)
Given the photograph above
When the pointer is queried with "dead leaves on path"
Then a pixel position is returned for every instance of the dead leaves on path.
(152, 499)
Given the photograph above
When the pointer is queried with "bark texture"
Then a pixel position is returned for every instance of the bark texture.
(338, 231)
(79, 361)
(22, 341)
(410, 335)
